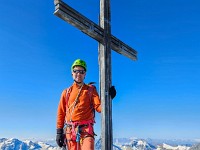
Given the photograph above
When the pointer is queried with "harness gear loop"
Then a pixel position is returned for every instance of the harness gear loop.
(78, 134)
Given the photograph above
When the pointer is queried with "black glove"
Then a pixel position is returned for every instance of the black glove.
(112, 92)
(60, 137)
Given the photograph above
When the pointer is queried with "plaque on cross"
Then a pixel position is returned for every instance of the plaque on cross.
(101, 33)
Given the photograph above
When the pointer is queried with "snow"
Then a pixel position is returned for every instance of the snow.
(120, 144)
(179, 147)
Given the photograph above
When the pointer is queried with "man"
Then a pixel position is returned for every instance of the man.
(76, 111)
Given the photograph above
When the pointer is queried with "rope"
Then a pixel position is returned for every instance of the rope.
(74, 103)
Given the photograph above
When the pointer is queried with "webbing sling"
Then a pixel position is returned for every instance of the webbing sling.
(90, 92)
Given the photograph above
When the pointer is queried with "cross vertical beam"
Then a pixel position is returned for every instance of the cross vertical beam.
(105, 76)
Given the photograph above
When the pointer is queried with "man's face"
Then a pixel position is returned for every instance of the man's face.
(78, 74)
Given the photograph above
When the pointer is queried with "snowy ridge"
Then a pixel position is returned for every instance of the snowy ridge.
(98, 146)
(142, 144)
(119, 144)
(138, 144)
(15, 144)
(169, 147)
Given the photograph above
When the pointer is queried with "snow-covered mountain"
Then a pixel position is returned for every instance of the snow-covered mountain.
(169, 147)
(119, 144)
(173, 142)
(15, 144)
(195, 147)
(140, 144)
(136, 144)
(98, 146)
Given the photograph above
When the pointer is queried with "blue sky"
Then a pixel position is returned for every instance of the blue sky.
(158, 96)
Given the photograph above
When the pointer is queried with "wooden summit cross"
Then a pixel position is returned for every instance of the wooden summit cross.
(107, 42)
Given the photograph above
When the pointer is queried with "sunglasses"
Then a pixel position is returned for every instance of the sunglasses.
(79, 71)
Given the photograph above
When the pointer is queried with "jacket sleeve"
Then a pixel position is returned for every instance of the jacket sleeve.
(61, 112)
(96, 101)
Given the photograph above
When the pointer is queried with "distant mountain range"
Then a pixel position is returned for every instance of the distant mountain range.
(119, 144)
(15, 144)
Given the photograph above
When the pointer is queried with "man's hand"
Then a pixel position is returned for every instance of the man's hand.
(60, 137)
(112, 92)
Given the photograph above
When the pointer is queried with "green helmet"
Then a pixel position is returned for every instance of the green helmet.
(79, 62)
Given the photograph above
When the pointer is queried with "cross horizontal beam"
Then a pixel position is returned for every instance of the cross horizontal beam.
(73, 17)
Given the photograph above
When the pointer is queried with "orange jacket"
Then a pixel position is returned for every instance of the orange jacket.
(83, 110)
